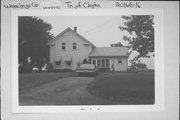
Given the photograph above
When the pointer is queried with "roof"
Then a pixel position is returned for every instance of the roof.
(69, 29)
(109, 52)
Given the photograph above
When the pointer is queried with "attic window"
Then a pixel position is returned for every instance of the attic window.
(63, 46)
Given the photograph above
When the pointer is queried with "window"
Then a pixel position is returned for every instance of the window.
(68, 63)
(89, 61)
(119, 60)
(107, 62)
(74, 46)
(63, 46)
(98, 63)
(94, 62)
(103, 63)
(57, 62)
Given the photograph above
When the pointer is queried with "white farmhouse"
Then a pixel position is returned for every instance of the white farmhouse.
(68, 49)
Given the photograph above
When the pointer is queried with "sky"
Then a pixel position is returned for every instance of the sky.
(100, 30)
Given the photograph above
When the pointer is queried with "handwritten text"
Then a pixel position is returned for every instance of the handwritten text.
(128, 5)
(21, 6)
(82, 5)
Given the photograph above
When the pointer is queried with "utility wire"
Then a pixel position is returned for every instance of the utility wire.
(104, 29)
(90, 30)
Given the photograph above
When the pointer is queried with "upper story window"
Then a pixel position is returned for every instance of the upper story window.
(74, 46)
(63, 46)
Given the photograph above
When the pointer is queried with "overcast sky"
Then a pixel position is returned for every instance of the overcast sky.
(100, 30)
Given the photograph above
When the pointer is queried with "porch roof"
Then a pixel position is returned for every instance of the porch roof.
(109, 52)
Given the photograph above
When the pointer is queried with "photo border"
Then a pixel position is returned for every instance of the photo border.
(159, 61)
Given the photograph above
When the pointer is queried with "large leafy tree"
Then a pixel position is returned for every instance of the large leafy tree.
(33, 35)
(141, 34)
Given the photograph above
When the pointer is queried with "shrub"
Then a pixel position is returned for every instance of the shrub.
(50, 68)
(28, 68)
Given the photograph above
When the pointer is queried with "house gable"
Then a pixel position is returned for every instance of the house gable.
(52, 42)
(69, 44)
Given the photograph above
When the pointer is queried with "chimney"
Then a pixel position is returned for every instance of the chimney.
(75, 29)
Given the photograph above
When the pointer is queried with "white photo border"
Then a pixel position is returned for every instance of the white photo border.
(159, 61)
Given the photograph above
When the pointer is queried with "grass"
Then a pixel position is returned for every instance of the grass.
(119, 88)
(31, 80)
(124, 88)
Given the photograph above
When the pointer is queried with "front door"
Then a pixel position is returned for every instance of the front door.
(94, 62)
(107, 63)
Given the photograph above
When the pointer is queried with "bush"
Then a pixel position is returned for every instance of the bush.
(61, 70)
(104, 69)
(27, 68)
(79, 64)
(21, 69)
(67, 70)
(50, 68)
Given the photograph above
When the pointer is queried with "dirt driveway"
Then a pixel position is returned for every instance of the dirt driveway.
(65, 91)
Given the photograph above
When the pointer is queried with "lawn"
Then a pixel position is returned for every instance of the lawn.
(118, 88)
(124, 88)
(31, 80)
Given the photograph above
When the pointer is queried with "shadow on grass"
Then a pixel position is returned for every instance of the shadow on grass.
(31, 80)
(124, 88)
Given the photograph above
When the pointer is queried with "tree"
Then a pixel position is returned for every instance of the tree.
(141, 34)
(119, 44)
(33, 36)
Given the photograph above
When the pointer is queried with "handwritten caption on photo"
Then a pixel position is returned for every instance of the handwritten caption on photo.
(71, 5)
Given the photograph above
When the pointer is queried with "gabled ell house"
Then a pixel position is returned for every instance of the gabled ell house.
(68, 49)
